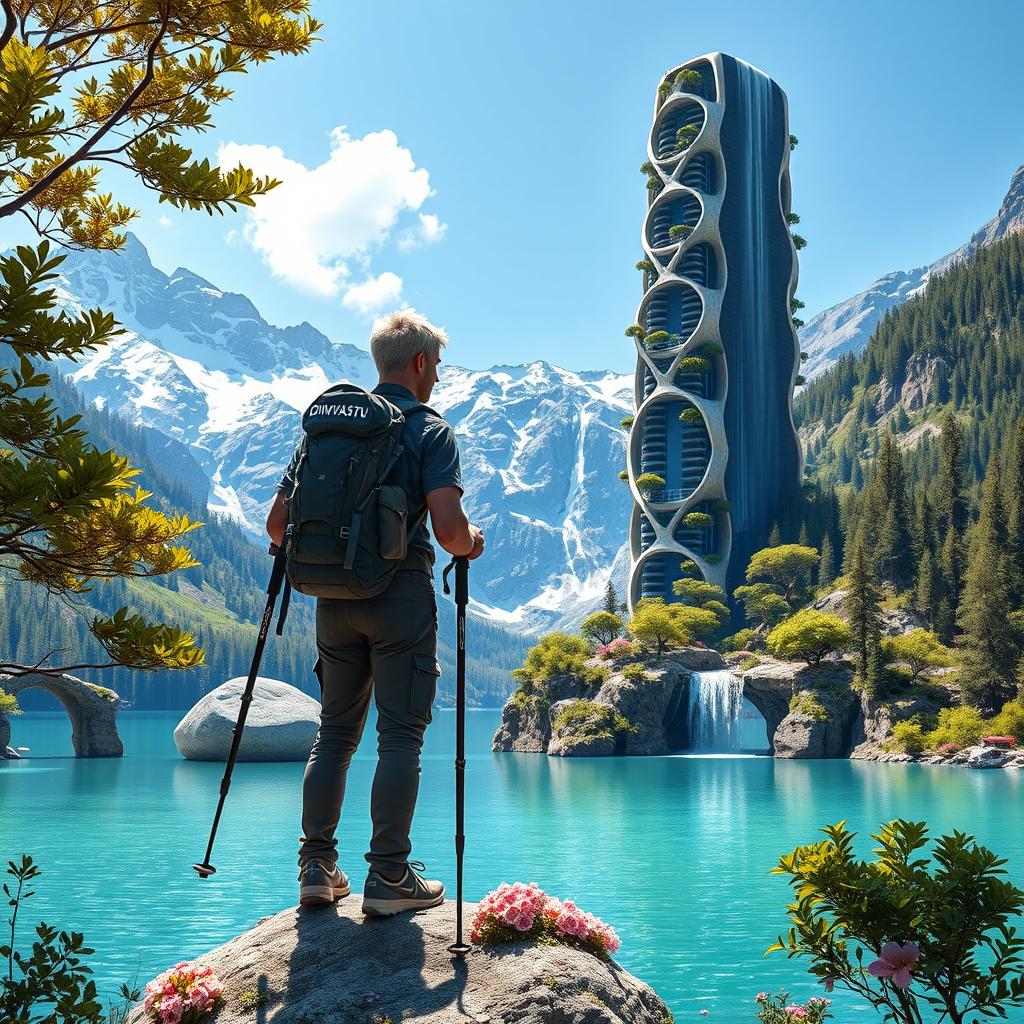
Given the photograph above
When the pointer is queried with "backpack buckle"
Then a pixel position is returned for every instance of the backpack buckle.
(343, 533)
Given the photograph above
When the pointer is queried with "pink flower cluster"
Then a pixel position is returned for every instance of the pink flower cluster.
(618, 648)
(528, 909)
(183, 994)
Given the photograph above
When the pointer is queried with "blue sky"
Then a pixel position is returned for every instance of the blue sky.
(527, 123)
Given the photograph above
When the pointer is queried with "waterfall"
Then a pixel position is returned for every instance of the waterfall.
(716, 699)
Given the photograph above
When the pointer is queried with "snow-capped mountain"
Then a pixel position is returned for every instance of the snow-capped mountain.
(847, 326)
(541, 446)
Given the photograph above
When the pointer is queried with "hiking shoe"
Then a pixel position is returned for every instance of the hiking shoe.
(321, 883)
(383, 898)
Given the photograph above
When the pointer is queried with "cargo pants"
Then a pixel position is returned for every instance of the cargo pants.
(385, 646)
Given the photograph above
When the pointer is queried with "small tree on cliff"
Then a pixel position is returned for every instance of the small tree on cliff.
(919, 650)
(660, 626)
(788, 566)
(862, 605)
(601, 627)
(136, 75)
(700, 594)
(809, 635)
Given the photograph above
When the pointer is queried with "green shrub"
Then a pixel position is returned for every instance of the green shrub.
(690, 415)
(8, 703)
(557, 654)
(919, 650)
(694, 364)
(909, 737)
(688, 79)
(251, 999)
(649, 482)
(749, 663)
(626, 422)
(951, 912)
(587, 720)
(1009, 721)
(743, 640)
(963, 726)
(635, 671)
(697, 520)
(49, 982)
(808, 704)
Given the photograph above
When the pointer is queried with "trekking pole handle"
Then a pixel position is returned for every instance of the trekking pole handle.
(460, 563)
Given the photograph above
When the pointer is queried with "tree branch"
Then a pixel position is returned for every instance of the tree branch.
(10, 23)
(82, 152)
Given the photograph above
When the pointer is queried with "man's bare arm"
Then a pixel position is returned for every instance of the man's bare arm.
(451, 529)
(277, 519)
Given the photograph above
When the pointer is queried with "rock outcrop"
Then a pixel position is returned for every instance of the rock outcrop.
(6, 750)
(651, 705)
(823, 722)
(91, 708)
(330, 964)
(875, 725)
(281, 724)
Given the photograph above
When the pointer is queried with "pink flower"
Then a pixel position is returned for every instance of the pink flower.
(760, 997)
(796, 1010)
(171, 1009)
(829, 983)
(895, 961)
(703, 1013)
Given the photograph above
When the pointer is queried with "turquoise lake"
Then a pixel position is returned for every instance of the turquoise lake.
(673, 851)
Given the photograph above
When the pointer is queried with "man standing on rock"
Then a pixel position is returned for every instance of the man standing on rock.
(384, 645)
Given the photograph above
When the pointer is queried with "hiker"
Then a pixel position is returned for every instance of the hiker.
(385, 644)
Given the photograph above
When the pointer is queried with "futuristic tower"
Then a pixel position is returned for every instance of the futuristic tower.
(718, 356)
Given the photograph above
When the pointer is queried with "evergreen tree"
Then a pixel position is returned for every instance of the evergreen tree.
(827, 564)
(1015, 515)
(611, 599)
(775, 537)
(990, 643)
(926, 594)
(863, 610)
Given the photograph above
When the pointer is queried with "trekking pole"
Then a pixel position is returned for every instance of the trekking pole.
(205, 869)
(461, 564)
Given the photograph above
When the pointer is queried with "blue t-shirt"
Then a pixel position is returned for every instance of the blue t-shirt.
(430, 459)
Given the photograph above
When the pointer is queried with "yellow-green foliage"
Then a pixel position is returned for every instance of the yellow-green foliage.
(1009, 721)
(744, 640)
(808, 704)
(919, 650)
(659, 625)
(70, 514)
(809, 635)
(909, 736)
(962, 726)
(587, 720)
(8, 703)
(635, 672)
(251, 999)
(559, 654)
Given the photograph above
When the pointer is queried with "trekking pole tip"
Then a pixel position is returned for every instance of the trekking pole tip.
(204, 870)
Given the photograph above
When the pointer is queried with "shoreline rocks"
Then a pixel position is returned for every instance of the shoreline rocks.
(332, 964)
(281, 723)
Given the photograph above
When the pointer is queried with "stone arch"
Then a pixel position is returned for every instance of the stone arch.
(92, 710)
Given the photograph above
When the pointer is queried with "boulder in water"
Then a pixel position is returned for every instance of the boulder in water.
(327, 964)
(281, 724)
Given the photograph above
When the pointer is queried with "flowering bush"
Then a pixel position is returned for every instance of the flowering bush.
(620, 647)
(934, 932)
(183, 994)
(777, 1009)
(513, 913)
(947, 749)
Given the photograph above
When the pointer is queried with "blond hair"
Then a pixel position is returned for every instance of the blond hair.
(400, 336)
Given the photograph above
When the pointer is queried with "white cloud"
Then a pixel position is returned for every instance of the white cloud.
(430, 229)
(165, 221)
(374, 294)
(313, 225)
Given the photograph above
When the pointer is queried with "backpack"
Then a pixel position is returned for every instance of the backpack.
(348, 530)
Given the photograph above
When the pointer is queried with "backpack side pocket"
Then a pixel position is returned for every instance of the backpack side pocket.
(392, 529)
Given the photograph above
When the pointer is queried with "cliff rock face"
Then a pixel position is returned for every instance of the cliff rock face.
(771, 686)
(329, 964)
(651, 705)
(875, 724)
(6, 751)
